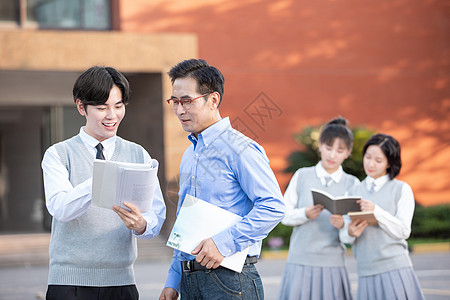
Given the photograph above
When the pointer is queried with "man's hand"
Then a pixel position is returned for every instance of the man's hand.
(207, 254)
(168, 294)
(312, 212)
(337, 221)
(357, 227)
(131, 218)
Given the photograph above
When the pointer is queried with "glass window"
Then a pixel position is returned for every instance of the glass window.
(9, 10)
(70, 14)
(97, 14)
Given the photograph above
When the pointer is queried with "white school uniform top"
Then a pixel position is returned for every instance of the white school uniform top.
(66, 202)
(398, 226)
(297, 216)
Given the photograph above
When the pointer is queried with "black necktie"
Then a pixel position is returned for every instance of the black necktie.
(99, 148)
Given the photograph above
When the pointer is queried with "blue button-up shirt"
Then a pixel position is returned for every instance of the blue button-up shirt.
(229, 170)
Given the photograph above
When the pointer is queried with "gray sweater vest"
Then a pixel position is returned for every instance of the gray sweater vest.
(375, 251)
(316, 242)
(95, 249)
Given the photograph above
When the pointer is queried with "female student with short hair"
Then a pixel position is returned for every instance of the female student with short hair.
(384, 266)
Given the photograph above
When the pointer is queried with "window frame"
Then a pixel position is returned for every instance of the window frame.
(23, 22)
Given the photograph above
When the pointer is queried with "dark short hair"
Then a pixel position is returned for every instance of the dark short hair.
(209, 79)
(336, 128)
(94, 85)
(391, 149)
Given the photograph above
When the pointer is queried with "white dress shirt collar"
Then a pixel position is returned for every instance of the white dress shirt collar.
(91, 142)
(335, 176)
(379, 182)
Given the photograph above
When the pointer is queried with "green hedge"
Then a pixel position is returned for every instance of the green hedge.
(431, 223)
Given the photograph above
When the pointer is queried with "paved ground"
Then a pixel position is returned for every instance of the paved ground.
(28, 282)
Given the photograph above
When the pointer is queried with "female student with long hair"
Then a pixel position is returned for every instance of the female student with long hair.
(384, 267)
(315, 266)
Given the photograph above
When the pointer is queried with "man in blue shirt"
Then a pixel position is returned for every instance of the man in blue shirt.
(229, 170)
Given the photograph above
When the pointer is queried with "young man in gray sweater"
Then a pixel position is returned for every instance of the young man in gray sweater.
(92, 249)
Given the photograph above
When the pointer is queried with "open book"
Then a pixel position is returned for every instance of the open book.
(364, 215)
(114, 183)
(198, 220)
(336, 205)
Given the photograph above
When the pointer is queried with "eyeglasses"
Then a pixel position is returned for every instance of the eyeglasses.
(185, 102)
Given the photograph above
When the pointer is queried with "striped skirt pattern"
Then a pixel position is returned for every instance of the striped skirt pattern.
(397, 284)
(314, 283)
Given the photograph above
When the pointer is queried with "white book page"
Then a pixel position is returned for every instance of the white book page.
(108, 190)
(137, 186)
(116, 182)
(97, 181)
(198, 220)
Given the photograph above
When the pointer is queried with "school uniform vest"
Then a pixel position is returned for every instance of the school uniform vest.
(95, 249)
(375, 251)
(316, 242)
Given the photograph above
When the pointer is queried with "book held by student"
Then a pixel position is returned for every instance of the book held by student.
(117, 182)
(336, 205)
(364, 215)
(198, 220)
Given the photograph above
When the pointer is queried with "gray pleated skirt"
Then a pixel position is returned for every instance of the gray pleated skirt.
(314, 283)
(398, 284)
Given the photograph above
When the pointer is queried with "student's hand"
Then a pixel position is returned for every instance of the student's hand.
(337, 221)
(312, 212)
(356, 227)
(366, 205)
(168, 294)
(131, 218)
(207, 254)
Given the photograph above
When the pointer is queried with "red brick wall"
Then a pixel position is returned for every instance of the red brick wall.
(383, 64)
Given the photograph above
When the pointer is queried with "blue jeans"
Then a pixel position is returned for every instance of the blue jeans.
(222, 284)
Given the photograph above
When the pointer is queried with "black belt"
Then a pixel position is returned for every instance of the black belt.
(193, 265)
